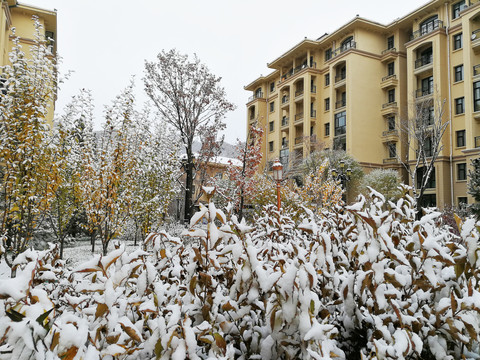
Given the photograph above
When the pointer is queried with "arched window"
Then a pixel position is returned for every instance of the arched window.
(258, 93)
(429, 25)
(348, 43)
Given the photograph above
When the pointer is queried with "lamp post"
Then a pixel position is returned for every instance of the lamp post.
(277, 168)
(342, 176)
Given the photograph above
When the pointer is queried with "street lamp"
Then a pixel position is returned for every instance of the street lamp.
(342, 176)
(277, 168)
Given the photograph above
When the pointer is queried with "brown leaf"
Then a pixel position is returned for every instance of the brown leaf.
(453, 302)
(131, 332)
(193, 285)
(113, 339)
(70, 353)
(227, 306)
(220, 341)
(101, 310)
(55, 339)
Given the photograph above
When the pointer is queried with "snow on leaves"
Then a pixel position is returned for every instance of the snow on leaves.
(366, 281)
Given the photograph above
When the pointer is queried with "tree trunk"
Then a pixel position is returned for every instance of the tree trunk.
(92, 241)
(188, 188)
(240, 210)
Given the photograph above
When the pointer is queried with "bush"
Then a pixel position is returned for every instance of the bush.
(363, 282)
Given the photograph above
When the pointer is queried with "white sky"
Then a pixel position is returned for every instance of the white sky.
(105, 42)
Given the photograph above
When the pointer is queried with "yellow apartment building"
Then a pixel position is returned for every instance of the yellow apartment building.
(351, 90)
(19, 16)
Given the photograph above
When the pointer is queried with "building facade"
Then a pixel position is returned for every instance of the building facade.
(19, 16)
(353, 89)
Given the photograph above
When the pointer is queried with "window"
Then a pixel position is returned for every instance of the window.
(431, 183)
(461, 171)
(391, 123)
(430, 118)
(427, 86)
(340, 123)
(348, 43)
(460, 138)
(272, 87)
(457, 41)
(456, 8)
(392, 150)
(476, 96)
(328, 54)
(459, 105)
(458, 70)
(270, 146)
(327, 79)
(391, 95)
(327, 129)
(258, 93)
(272, 106)
(429, 25)
(327, 104)
(252, 112)
(462, 202)
(427, 147)
(284, 142)
(428, 200)
(270, 126)
(390, 42)
(390, 68)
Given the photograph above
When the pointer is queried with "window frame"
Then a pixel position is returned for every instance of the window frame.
(272, 106)
(457, 41)
(461, 171)
(460, 105)
(327, 104)
(458, 73)
(460, 138)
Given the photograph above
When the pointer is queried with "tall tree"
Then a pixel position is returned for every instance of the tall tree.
(423, 133)
(28, 179)
(474, 187)
(189, 98)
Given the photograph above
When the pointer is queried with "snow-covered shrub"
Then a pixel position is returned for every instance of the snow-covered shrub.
(366, 281)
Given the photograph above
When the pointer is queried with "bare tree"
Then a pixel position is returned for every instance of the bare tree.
(190, 99)
(423, 133)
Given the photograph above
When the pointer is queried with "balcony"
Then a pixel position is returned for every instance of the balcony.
(423, 64)
(434, 25)
(298, 141)
(285, 121)
(389, 108)
(390, 136)
(340, 104)
(389, 54)
(389, 81)
(285, 144)
(258, 95)
(476, 70)
(299, 117)
(346, 47)
(476, 41)
(299, 92)
(296, 70)
(421, 93)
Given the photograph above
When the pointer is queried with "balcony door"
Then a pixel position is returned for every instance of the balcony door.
(428, 25)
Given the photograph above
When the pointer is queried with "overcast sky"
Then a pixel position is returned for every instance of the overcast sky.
(105, 42)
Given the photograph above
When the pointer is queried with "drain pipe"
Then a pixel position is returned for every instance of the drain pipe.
(450, 104)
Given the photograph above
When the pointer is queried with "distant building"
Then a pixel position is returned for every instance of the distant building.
(350, 89)
(19, 16)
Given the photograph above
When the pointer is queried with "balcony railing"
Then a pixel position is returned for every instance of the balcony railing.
(299, 140)
(391, 103)
(285, 144)
(386, 51)
(434, 25)
(340, 77)
(256, 96)
(343, 48)
(424, 60)
(285, 121)
(299, 92)
(476, 70)
(340, 130)
(299, 116)
(393, 132)
(340, 104)
(388, 77)
(313, 114)
(423, 92)
(285, 100)
(296, 70)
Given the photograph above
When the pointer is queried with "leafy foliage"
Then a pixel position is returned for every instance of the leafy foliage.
(384, 181)
(355, 283)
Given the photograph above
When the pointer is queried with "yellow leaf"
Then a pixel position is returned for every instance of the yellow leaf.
(220, 341)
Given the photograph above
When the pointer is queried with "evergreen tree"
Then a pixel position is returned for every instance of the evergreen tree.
(474, 187)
